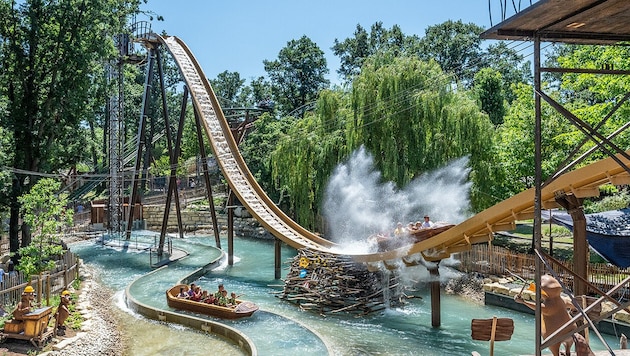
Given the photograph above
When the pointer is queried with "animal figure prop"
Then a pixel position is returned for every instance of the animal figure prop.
(553, 311)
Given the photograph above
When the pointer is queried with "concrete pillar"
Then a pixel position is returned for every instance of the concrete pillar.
(435, 296)
(278, 258)
(230, 224)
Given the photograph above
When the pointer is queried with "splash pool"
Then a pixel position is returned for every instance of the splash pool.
(281, 328)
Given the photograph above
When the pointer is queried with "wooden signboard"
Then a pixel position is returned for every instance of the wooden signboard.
(495, 329)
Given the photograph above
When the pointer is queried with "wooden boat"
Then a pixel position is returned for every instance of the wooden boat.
(411, 237)
(241, 310)
(424, 233)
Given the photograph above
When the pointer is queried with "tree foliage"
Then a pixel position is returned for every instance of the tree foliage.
(307, 154)
(416, 122)
(489, 91)
(50, 57)
(227, 87)
(44, 211)
(591, 97)
(516, 141)
(298, 74)
(258, 147)
(455, 46)
(510, 64)
(353, 51)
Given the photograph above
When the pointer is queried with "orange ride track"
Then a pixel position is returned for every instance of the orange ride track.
(583, 182)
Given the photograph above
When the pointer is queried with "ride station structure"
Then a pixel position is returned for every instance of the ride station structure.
(579, 22)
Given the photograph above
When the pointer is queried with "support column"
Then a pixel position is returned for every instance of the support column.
(435, 295)
(574, 207)
(230, 223)
(537, 238)
(278, 257)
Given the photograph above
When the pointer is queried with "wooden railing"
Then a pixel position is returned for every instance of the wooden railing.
(496, 260)
(46, 285)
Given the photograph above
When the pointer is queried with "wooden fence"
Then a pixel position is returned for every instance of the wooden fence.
(46, 285)
(496, 260)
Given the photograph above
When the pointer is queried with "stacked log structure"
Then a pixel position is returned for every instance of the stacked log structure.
(327, 284)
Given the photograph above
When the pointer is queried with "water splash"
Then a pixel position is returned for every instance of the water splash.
(357, 203)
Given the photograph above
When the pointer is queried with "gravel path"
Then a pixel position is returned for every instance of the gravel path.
(100, 333)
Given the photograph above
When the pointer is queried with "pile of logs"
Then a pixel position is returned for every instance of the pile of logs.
(327, 283)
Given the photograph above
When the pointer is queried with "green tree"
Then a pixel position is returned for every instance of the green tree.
(353, 51)
(489, 91)
(305, 157)
(455, 46)
(227, 87)
(516, 141)
(407, 112)
(50, 55)
(510, 64)
(44, 211)
(258, 147)
(297, 76)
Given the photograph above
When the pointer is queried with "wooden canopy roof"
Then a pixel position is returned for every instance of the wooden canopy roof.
(568, 21)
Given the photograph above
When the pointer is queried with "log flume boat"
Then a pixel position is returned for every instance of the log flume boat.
(241, 310)
(411, 236)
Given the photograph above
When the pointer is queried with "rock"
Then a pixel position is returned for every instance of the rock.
(501, 289)
(622, 315)
(514, 291)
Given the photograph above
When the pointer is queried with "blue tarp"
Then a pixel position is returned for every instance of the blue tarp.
(608, 233)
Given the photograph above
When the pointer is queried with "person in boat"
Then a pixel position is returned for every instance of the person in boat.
(232, 299)
(223, 299)
(204, 295)
(427, 222)
(196, 295)
(219, 293)
(62, 313)
(191, 290)
(399, 230)
(411, 227)
(210, 299)
(183, 294)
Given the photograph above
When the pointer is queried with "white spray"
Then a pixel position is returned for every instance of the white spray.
(357, 203)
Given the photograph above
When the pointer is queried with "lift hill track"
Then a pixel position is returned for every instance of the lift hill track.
(583, 182)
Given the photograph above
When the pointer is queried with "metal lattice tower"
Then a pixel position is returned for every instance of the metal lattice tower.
(116, 139)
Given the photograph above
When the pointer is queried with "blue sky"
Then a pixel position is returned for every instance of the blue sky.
(237, 35)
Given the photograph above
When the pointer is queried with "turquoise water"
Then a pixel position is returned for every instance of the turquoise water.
(399, 331)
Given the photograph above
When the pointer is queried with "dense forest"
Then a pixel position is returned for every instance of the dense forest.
(414, 103)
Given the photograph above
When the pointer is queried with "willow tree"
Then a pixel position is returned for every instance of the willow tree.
(409, 115)
(307, 153)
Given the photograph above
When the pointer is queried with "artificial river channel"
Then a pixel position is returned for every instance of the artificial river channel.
(280, 328)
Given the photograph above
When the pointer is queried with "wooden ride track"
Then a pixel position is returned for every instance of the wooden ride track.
(583, 182)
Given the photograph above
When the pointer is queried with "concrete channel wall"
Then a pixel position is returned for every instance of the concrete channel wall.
(209, 326)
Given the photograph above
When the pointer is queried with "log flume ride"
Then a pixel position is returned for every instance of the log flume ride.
(241, 310)
(583, 182)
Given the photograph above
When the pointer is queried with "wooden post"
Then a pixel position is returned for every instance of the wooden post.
(584, 305)
(435, 296)
(278, 257)
(574, 207)
(48, 289)
(493, 335)
(76, 272)
(39, 288)
(65, 275)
